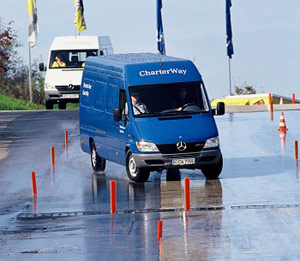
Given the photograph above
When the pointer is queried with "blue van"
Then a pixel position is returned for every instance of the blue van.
(148, 112)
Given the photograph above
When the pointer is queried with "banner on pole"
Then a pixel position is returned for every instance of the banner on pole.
(229, 44)
(32, 22)
(159, 32)
(79, 18)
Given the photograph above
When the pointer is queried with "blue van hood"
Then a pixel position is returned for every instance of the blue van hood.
(170, 130)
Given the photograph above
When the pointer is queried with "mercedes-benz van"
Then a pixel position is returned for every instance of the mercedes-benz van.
(148, 112)
(63, 77)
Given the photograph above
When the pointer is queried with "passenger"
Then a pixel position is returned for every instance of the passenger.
(137, 105)
(58, 62)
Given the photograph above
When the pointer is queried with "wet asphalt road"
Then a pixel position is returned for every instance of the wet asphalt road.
(251, 212)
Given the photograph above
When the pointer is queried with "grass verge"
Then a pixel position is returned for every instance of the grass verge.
(8, 103)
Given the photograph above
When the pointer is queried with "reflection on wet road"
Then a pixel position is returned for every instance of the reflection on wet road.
(251, 212)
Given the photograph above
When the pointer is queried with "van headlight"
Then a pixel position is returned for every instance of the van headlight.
(49, 86)
(212, 142)
(146, 146)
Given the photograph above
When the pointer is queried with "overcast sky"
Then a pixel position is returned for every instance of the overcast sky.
(265, 35)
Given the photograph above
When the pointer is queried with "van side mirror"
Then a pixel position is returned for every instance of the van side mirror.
(117, 114)
(220, 110)
(42, 67)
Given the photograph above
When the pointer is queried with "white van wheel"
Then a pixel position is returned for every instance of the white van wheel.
(134, 173)
(98, 163)
(62, 105)
(49, 105)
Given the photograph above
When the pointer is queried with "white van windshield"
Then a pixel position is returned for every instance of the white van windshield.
(70, 58)
(168, 99)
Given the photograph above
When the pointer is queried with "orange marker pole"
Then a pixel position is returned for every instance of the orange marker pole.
(159, 229)
(113, 193)
(296, 150)
(271, 106)
(294, 99)
(66, 138)
(52, 156)
(271, 111)
(187, 194)
(34, 203)
(33, 179)
(270, 98)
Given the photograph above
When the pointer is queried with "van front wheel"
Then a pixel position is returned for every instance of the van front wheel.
(134, 173)
(98, 163)
(62, 105)
(213, 172)
(49, 105)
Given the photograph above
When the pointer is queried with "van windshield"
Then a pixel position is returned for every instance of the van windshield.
(70, 58)
(168, 99)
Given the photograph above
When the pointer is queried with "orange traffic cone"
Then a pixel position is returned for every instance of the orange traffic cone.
(282, 126)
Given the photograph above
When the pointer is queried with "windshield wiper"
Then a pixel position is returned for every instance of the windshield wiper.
(147, 115)
(170, 113)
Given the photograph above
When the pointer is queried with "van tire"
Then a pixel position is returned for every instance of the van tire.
(98, 163)
(62, 105)
(135, 174)
(49, 105)
(213, 171)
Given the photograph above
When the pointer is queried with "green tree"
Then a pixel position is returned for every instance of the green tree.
(8, 45)
(244, 90)
(13, 71)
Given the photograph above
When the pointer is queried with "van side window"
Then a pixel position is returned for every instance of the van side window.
(123, 104)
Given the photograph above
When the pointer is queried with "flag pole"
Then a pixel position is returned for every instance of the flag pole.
(229, 39)
(229, 66)
(29, 74)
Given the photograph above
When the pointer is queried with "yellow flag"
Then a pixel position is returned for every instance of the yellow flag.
(79, 18)
(32, 22)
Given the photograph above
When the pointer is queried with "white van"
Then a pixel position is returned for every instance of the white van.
(62, 82)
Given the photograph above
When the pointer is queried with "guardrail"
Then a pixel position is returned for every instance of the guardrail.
(260, 108)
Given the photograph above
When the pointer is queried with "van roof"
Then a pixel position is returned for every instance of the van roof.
(137, 58)
(78, 42)
(142, 68)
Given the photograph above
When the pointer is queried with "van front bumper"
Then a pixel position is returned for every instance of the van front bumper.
(68, 96)
(165, 161)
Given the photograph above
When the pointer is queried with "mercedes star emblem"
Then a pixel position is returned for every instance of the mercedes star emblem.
(181, 146)
(71, 87)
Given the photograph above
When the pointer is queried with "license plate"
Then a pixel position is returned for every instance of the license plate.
(71, 96)
(188, 161)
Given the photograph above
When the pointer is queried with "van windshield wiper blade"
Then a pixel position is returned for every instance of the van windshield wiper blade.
(147, 115)
(168, 113)
(158, 114)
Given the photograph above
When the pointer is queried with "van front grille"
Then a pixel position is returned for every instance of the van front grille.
(66, 88)
(172, 148)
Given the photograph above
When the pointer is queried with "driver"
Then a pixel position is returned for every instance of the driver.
(138, 106)
(182, 98)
